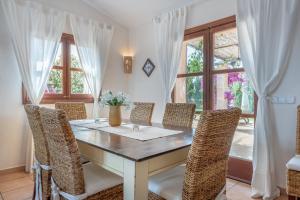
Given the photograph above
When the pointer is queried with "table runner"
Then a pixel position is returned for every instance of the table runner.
(90, 123)
(142, 133)
(87, 121)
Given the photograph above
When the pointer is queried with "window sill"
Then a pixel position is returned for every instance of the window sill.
(53, 99)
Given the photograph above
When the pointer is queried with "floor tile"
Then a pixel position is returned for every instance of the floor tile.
(19, 186)
(13, 176)
(230, 183)
(22, 193)
(242, 144)
(240, 191)
(15, 184)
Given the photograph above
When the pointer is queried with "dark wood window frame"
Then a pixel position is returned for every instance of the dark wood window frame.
(66, 40)
(238, 168)
(207, 32)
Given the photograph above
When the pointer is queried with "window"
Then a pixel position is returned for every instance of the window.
(189, 84)
(230, 85)
(66, 80)
(212, 76)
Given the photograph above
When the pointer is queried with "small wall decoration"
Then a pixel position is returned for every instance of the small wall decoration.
(127, 61)
(148, 67)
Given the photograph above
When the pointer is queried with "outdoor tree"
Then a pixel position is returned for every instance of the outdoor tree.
(194, 88)
(77, 78)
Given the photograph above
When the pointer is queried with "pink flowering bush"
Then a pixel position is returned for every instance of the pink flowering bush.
(234, 94)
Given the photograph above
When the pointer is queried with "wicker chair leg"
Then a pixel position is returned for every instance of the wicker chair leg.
(33, 193)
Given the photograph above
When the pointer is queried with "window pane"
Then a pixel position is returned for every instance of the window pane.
(59, 56)
(192, 56)
(78, 83)
(226, 50)
(190, 90)
(75, 61)
(55, 82)
(233, 90)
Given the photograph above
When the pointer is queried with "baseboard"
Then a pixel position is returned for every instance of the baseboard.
(11, 170)
(239, 179)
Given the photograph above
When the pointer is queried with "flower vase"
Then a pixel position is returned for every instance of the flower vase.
(115, 116)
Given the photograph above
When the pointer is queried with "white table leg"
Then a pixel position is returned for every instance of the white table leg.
(135, 180)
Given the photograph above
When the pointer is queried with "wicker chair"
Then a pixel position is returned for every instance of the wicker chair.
(179, 114)
(293, 166)
(74, 110)
(41, 149)
(204, 176)
(142, 112)
(86, 181)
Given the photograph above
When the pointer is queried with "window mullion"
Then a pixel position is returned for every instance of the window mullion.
(190, 75)
(67, 70)
(226, 71)
(208, 75)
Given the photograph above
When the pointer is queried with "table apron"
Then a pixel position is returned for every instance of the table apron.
(115, 163)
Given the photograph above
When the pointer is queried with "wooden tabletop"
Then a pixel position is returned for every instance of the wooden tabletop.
(135, 149)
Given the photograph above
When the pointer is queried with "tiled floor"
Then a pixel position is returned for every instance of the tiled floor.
(16, 186)
(242, 144)
(19, 186)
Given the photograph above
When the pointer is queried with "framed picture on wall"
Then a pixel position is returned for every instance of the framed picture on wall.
(148, 67)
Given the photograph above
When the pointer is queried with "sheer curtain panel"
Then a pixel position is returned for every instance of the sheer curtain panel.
(93, 41)
(35, 33)
(266, 36)
(169, 32)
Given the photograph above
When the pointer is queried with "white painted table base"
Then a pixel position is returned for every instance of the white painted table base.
(135, 174)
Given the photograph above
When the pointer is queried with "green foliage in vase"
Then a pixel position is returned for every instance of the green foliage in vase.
(119, 99)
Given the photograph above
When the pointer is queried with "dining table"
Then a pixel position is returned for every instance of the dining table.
(134, 160)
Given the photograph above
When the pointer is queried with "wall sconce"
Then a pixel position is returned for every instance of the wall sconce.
(127, 64)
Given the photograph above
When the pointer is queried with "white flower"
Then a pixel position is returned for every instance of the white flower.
(120, 99)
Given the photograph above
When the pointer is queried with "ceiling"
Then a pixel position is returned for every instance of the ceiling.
(131, 13)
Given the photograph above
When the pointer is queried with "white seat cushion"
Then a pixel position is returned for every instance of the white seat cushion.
(169, 184)
(98, 179)
(294, 163)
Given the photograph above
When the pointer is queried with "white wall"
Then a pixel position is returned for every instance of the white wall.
(12, 115)
(285, 115)
(143, 88)
(12, 139)
(142, 47)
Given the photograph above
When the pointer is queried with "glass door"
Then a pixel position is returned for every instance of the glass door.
(230, 87)
(211, 75)
(191, 77)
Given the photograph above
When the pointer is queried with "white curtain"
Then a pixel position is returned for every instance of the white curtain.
(169, 33)
(35, 34)
(93, 41)
(266, 36)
